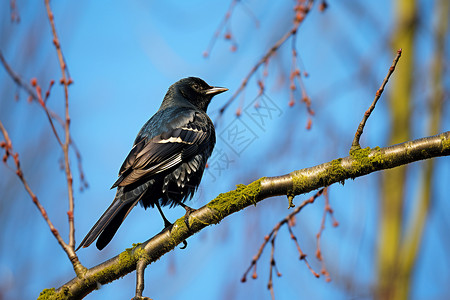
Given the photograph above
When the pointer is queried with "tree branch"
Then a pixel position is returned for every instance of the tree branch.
(65, 81)
(9, 152)
(54, 116)
(301, 10)
(355, 143)
(360, 162)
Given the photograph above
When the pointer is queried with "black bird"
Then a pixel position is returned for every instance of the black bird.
(167, 160)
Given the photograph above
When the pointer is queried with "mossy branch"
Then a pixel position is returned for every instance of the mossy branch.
(360, 162)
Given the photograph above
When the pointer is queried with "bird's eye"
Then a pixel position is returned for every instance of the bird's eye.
(196, 87)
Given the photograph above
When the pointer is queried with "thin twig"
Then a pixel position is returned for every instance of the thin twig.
(54, 116)
(15, 17)
(270, 53)
(17, 78)
(228, 35)
(327, 211)
(355, 143)
(65, 81)
(83, 182)
(42, 102)
(272, 235)
(302, 255)
(7, 145)
(220, 28)
(35, 94)
(272, 264)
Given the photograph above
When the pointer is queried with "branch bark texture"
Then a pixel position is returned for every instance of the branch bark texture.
(359, 163)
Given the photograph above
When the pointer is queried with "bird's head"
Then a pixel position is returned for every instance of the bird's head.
(196, 91)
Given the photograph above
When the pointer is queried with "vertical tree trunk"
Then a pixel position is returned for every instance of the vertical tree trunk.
(393, 181)
(414, 231)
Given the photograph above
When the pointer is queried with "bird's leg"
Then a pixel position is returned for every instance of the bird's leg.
(166, 222)
(189, 211)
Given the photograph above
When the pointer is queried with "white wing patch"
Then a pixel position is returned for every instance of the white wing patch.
(174, 140)
(191, 129)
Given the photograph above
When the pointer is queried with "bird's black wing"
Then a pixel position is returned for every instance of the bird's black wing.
(149, 156)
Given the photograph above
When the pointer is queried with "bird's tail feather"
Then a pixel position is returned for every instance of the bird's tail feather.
(108, 224)
(112, 227)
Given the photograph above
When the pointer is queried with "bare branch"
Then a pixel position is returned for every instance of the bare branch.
(7, 145)
(301, 11)
(66, 81)
(54, 116)
(223, 23)
(42, 102)
(359, 163)
(289, 222)
(355, 143)
(17, 79)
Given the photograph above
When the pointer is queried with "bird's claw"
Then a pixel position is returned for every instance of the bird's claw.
(184, 245)
(188, 213)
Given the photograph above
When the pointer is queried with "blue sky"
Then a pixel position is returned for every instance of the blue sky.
(122, 57)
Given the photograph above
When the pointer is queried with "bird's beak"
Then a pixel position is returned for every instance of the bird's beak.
(215, 90)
